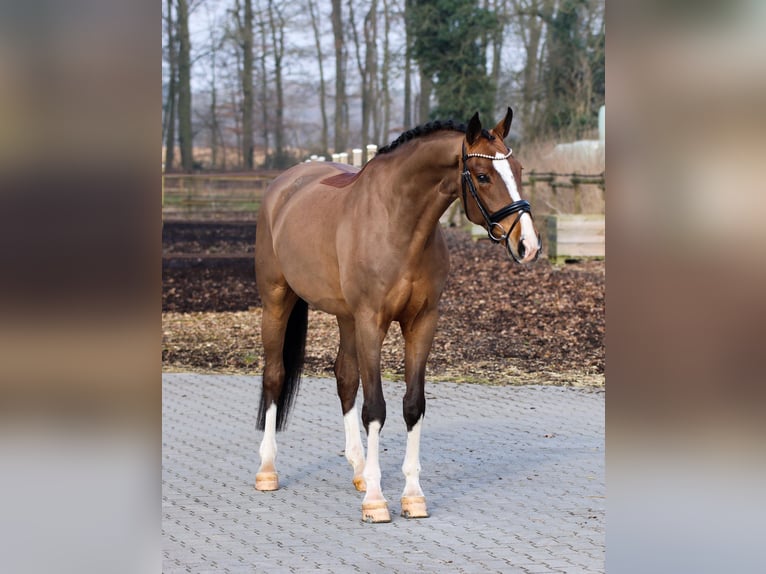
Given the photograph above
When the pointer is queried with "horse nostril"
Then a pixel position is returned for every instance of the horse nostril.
(522, 249)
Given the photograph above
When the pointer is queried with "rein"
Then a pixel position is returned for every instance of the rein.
(493, 219)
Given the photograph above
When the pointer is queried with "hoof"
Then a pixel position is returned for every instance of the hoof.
(265, 481)
(360, 484)
(375, 512)
(414, 507)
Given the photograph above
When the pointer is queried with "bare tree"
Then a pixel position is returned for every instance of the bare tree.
(184, 87)
(449, 46)
(277, 24)
(211, 119)
(385, 73)
(322, 88)
(248, 148)
(264, 99)
(243, 17)
(500, 9)
(371, 97)
(407, 63)
(366, 65)
(341, 124)
(528, 21)
(170, 104)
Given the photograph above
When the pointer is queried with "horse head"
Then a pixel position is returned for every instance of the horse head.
(492, 176)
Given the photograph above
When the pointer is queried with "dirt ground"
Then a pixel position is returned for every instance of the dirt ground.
(499, 323)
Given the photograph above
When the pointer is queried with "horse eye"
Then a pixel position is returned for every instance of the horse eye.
(483, 178)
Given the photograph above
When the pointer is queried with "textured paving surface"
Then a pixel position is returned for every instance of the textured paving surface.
(514, 478)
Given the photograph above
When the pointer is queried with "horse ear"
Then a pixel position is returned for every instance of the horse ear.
(504, 127)
(473, 130)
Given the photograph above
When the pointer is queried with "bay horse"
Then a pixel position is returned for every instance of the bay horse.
(366, 246)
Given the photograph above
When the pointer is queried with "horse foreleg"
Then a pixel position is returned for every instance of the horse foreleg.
(418, 336)
(369, 339)
(347, 376)
(413, 500)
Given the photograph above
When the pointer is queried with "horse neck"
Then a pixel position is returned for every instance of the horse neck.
(420, 180)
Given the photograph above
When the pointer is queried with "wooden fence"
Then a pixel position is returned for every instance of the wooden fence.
(214, 196)
(569, 207)
(535, 182)
(570, 210)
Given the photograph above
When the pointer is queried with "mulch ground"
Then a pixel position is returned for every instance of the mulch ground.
(500, 323)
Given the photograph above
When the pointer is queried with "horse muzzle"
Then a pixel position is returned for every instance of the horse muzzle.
(523, 251)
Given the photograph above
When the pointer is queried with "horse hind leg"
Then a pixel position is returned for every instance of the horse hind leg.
(347, 376)
(283, 334)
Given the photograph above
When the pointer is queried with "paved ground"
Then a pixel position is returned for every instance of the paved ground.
(514, 478)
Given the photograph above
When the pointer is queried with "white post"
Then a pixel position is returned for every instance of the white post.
(372, 149)
(336, 157)
(343, 157)
(602, 124)
(356, 153)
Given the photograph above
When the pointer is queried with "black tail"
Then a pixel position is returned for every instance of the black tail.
(293, 353)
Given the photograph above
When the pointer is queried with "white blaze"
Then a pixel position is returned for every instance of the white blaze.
(504, 169)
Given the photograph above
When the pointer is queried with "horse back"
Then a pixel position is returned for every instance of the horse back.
(303, 185)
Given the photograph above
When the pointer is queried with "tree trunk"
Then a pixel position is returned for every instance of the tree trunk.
(367, 66)
(246, 37)
(277, 24)
(426, 86)
(371, 68)
(170, 106)
(340, 77)
(407, 64)
(325, 144)
(235, 110)
(360, 65)
(385, 73)
(213, 124)
(184, 88)
(501, 10)
(264, 92)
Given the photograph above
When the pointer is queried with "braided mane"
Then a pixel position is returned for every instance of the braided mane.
(429, 128)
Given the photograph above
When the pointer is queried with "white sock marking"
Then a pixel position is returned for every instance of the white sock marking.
(411, 465)
(354, 448)
(372, 466)
(268, 450)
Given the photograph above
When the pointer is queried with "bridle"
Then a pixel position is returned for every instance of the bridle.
(493, 219)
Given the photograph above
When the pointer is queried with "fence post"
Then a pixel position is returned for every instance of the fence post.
(531, 181)
(577, 193)
(372, 149)
(343, 157)
(356, 154)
